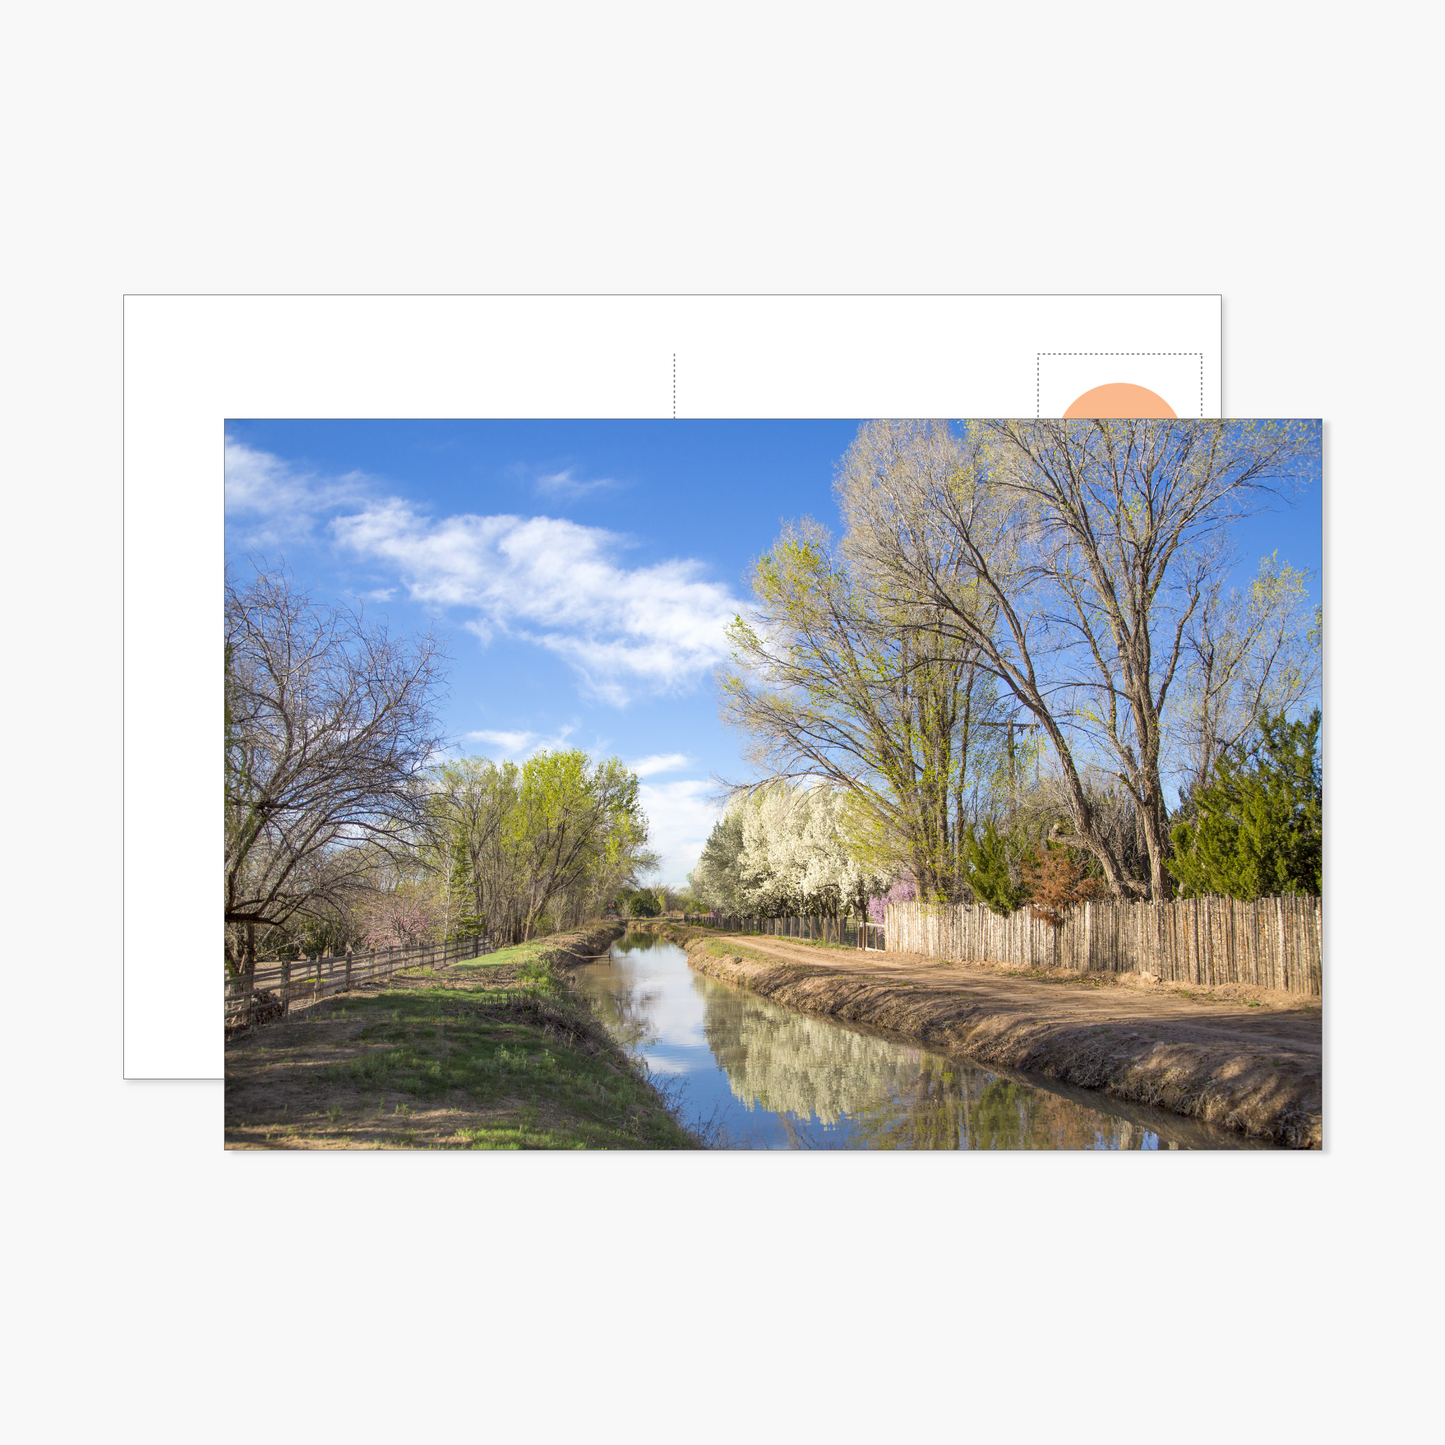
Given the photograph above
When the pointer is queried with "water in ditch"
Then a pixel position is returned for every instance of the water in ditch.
(755, 1075)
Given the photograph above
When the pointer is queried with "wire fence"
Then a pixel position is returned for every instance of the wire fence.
(280, 982)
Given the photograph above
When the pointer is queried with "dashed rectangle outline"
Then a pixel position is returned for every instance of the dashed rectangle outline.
(1038, 364)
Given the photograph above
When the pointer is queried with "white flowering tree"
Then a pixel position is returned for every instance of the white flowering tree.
(795, 855)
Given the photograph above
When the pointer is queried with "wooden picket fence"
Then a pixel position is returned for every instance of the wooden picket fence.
(1268, 942)
(316, 977)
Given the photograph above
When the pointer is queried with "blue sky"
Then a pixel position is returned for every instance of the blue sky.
(581, 571)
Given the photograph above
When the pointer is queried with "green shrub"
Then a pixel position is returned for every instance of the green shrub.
(1257, 829)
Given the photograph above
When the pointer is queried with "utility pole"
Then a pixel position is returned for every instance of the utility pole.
(1011, 725)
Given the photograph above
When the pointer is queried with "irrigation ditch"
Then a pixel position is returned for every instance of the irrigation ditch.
(1246, 1058)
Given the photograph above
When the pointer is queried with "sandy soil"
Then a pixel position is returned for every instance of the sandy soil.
(1250, 1059)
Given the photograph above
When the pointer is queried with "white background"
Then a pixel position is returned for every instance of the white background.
(192, 362)
(1281, 156)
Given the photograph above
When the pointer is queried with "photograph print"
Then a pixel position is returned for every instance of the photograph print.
(815, 784)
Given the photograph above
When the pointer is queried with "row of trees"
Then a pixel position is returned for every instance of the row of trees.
(554, 839)
(344, 828)
(1016, 598)
(654, 900)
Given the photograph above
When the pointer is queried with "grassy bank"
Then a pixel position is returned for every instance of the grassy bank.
(493, 1053)
(1207, 1058)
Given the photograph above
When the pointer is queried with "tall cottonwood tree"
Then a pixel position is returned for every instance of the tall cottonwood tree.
(1073, 557)
(833, 681)
(580, 827)
(474, 801)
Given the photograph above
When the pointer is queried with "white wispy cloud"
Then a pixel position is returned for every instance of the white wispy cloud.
(681, 815)
(566, 484)
(553, 582)
(659, 763)
(518, 745)
(274, 500)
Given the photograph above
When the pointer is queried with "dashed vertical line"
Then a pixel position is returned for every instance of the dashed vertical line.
(1038, 362)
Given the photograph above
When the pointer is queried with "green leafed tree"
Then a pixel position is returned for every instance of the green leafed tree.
(643, 904)
(1256, 829)
(717, 879)
(553, 838)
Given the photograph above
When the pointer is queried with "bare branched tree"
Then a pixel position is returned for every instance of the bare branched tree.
(1074, 556)
(1248, 654)
(330, 722)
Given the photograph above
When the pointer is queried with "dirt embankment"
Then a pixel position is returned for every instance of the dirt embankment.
(1244, 1058)
(567, 950)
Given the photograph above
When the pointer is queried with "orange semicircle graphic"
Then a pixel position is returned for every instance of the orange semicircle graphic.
(1119, 401)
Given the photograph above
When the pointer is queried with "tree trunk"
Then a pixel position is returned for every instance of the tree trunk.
(248, 972)
(1155, 839)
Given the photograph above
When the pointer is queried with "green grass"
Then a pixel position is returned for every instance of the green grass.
(505, 1052)
(530, 959)
(521, 1065)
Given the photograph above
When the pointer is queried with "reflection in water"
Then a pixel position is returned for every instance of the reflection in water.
(791, 1062)
(808, 1082)
(953, 1105)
